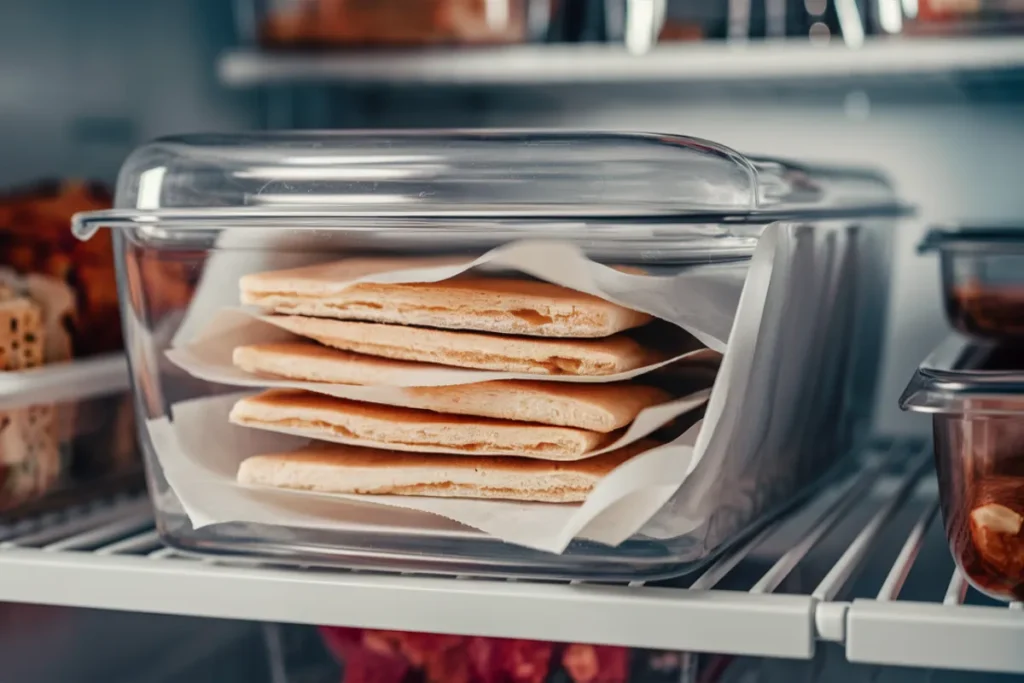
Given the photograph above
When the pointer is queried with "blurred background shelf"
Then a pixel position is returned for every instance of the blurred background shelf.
(608, 64)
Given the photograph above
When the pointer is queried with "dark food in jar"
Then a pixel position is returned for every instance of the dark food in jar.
(996, 528)
(990, 313)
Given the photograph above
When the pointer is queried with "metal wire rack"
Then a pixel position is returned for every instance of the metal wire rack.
(863, 565)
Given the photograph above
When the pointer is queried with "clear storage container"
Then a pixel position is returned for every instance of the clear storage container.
(982, 279)
(67, 433)
(975, 393)
(395, 23)
(661, 209)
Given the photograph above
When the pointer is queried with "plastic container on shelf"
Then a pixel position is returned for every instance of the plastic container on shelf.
(975, 393)
(67, 433)
(657, 207)
(396, 23)
(982, 279)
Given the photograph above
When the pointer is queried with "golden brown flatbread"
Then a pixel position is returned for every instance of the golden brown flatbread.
(595, 407)
(407, 429)
(336, 468)
(483, 304)
(594, 357)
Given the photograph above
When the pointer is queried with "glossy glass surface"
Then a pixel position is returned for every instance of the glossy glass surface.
(66, 434)
(196, 214)
(976, 394)
(983, 279)
(651, 197)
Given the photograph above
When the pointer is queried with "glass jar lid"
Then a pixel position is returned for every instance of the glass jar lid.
(974, 239)
(963, 376)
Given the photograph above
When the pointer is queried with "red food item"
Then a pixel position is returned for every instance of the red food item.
(482, 654)
(596, 663)
(526, 661)
(363, 664)
(439, 657)
(391, 656)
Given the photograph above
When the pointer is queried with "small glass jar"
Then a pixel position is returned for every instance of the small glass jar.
(975, 393)
(982, 279)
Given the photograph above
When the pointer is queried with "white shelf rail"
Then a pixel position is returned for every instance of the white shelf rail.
(603, 63)
(755, 601)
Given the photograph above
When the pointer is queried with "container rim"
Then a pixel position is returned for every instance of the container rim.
(973, 239)
(948, 381)
(75, 380)
(85, 224)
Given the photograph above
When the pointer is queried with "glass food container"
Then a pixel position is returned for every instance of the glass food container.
(982, 280)
(67, 434)
(395, 23)
(975, 393)
(656, 207)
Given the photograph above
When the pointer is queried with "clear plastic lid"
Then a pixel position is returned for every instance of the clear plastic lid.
(330, 179)
(978, 240)
(962, 376)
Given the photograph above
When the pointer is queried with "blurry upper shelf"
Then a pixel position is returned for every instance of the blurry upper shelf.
(603, 63)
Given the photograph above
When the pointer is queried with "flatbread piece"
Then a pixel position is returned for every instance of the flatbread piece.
(407, 429)
(595, 407)
(593, 357)
(467, 302)
(336, 468)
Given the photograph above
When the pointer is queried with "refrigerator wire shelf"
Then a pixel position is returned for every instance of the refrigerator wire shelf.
(863, 564)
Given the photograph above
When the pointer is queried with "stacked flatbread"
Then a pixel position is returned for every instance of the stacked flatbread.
(511, 439)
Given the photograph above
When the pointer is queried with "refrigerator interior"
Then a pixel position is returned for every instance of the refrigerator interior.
(84, 82)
